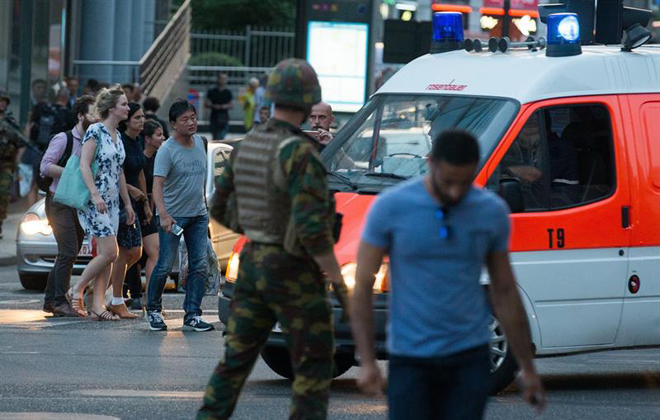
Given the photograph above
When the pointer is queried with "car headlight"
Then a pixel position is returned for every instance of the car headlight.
(33, 224)
(348, 272)
(232, 268)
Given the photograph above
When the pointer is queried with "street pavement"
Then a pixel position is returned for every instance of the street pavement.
(69, 368)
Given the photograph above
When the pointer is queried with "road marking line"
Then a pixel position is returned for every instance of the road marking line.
(32, 318)
(53, 416)
(19, 301)
(132, 393)
(181, 311)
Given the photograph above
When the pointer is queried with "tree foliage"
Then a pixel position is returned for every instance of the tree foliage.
(237, 14)
(214, 59)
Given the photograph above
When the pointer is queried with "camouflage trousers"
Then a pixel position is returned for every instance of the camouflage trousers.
(7, 170)
(274, 286)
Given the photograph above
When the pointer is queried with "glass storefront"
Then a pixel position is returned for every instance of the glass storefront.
(47, 47)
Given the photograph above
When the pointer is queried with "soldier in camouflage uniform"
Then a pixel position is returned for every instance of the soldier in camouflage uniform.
(283, 205)
(9, 144)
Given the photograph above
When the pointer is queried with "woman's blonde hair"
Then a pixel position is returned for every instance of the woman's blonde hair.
(107, 99)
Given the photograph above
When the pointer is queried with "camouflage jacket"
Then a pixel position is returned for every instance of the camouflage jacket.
(9, 140)
(312, 204)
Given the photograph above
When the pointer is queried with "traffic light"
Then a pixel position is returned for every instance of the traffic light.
(613, 18)
(405, 41)
(603, 24)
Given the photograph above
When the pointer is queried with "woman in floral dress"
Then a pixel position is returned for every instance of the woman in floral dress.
(100, 218)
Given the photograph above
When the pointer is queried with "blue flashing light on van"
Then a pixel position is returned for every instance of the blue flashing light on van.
(563, 35)
(447, 32)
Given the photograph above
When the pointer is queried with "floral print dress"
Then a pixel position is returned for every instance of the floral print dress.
(109, 156)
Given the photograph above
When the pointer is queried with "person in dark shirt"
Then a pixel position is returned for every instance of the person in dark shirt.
(72, 85)
(219, 101)
(64, 117)
(151, 106)
(153, 137)
(129, 237)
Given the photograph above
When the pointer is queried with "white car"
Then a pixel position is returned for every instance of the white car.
(36, 248)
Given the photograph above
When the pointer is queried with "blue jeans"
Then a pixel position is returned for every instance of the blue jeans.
(195, 233)
(448, 388)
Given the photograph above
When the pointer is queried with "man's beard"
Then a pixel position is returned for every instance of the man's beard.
(85, 125)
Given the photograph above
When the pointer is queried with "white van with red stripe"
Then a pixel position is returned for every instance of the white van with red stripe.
(571, 141)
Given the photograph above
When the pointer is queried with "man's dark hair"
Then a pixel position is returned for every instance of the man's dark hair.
(179, 107)
(456, 147)
(81, 106)
(151, 104)
(93, 84)
(39, 82)
(127, 86)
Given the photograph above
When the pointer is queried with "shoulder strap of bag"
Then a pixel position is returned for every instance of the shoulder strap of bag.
(206, 156)
(67, 151)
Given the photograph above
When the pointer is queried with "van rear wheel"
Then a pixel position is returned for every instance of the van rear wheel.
(278, 359)
(503, 365)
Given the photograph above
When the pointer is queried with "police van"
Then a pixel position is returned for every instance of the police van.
(570, 138)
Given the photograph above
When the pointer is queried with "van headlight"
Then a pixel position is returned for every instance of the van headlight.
(348, 272)
(33, 224)
(232, 268)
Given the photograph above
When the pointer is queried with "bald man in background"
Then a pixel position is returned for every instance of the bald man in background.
(320, 120)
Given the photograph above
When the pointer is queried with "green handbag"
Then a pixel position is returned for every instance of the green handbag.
(71, 190)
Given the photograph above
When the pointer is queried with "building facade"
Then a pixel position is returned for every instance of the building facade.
(52, 39)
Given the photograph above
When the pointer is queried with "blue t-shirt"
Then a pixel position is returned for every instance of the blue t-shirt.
(437, 306)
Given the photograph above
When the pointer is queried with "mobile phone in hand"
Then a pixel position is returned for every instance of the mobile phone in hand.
(177, 230)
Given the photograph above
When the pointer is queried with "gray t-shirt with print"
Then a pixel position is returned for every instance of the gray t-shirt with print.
(184, 170)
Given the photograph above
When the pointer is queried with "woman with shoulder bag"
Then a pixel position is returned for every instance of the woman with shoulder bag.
(100, 216)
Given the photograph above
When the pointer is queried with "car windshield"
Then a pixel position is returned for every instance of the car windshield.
(389, 139)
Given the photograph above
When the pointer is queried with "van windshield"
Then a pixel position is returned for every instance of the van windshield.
(389, 139)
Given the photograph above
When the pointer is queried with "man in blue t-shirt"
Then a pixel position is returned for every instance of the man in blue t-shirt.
(439, 231)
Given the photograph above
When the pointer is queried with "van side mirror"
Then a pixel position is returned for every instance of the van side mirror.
(511, 192)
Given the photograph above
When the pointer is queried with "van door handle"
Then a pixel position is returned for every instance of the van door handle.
(625, 217)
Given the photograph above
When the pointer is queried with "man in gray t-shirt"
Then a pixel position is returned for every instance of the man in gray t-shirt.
(178, 192)
(183, 169)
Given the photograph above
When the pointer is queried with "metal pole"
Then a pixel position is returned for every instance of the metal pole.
(26, 58)
(300, 47)
(506, 19)
(248, 44)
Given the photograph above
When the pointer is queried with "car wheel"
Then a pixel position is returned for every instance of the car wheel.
(32, 281)
(503, 365)
(278, 359)
(343, 362)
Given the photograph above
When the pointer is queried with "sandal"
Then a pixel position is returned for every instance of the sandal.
(121, 311)
(103, 316)
(77, 304)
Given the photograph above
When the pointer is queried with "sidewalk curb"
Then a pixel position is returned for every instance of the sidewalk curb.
(8, 261)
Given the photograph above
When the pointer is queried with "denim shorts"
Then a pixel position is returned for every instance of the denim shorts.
(129, 236)
(147, 228)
